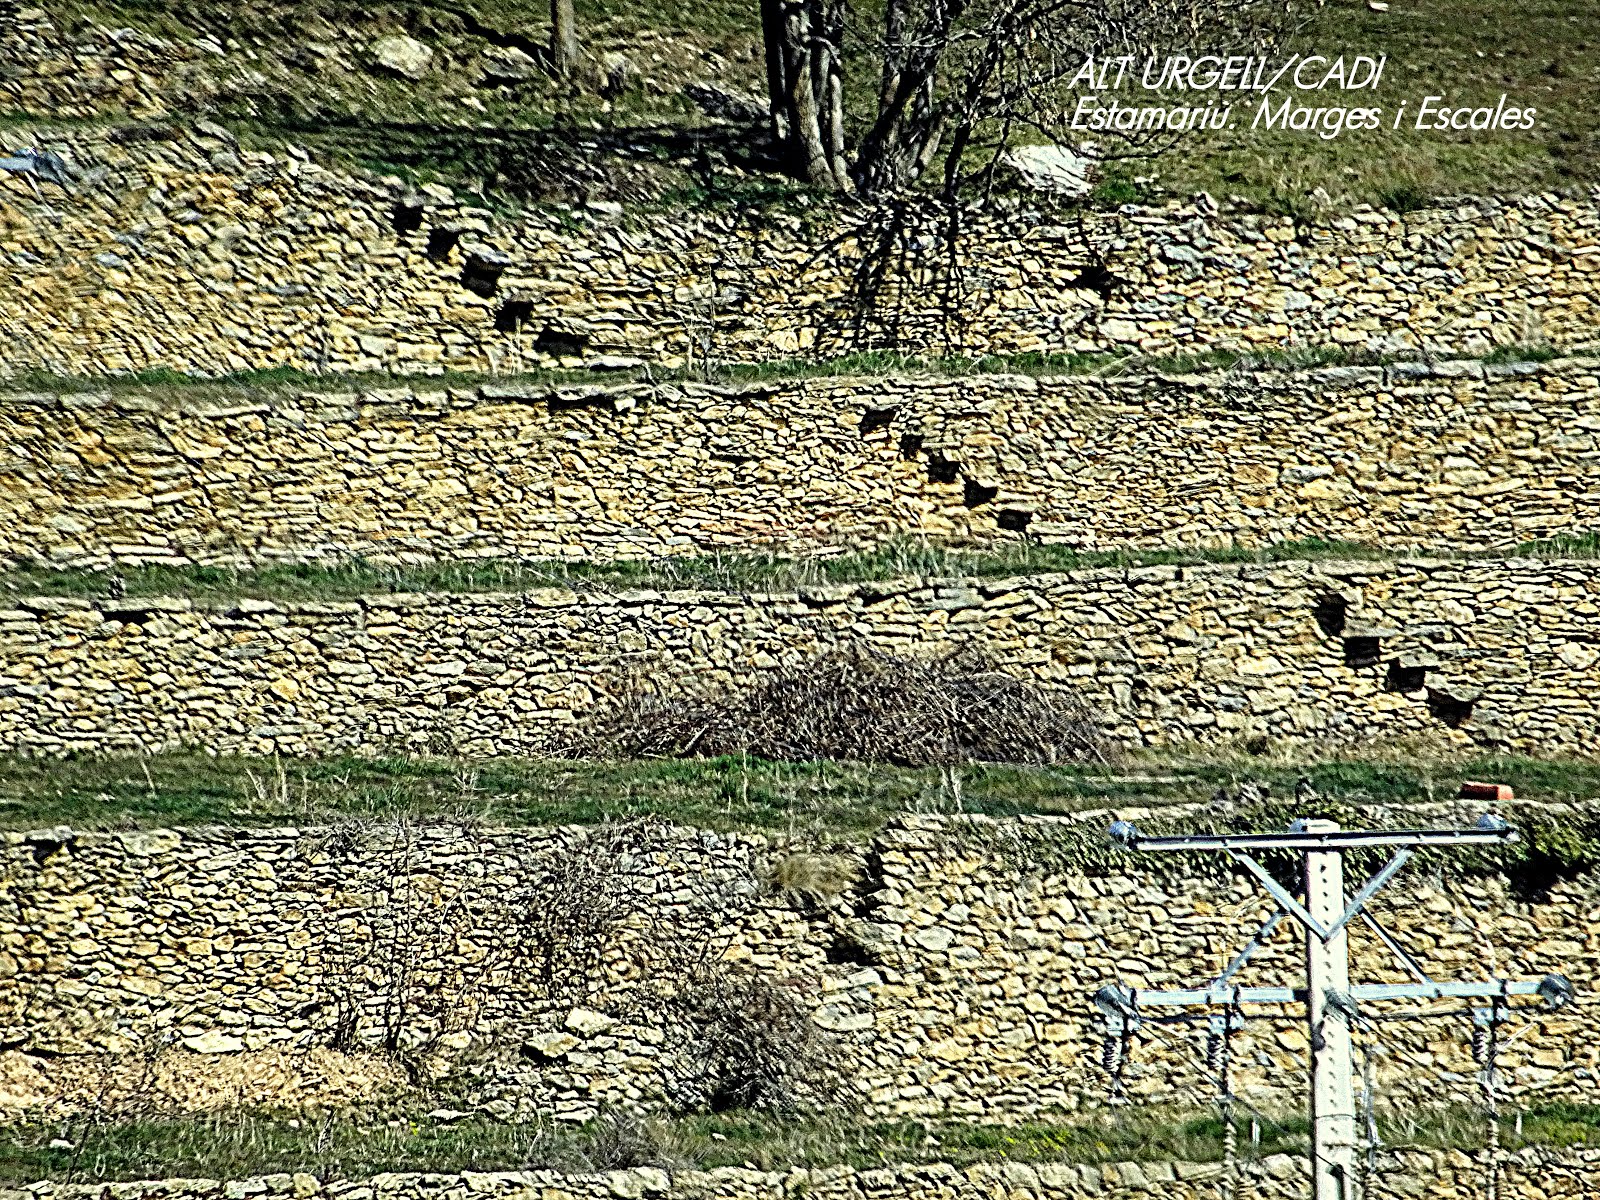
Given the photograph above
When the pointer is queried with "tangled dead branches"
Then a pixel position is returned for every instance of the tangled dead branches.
(862, 704)
(423, 962)
(747, 1042)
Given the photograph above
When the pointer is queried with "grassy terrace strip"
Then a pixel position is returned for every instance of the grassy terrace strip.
(841, 800)
(902, 559)
(866, 363)
(238, 1145)
(1463, 48)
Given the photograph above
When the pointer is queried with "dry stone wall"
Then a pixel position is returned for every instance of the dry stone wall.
(1524, 1175)
(1497, 653)
(96, 71)
(194, 254)
(953, 977)
(1458, 455)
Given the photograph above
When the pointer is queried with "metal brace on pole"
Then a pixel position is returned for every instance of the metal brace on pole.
(1330, 1000)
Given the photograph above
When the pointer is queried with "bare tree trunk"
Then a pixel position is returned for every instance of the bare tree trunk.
(910, 121)
(806, 124)
(777, 76)
(805, 88)
(563, 39)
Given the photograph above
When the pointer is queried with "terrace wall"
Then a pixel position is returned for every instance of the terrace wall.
(1455, 456)
(1494, 653)
(954, 976)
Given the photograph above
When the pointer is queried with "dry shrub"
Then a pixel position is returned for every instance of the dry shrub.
(417, 958)
(862, 704)
(818, 876)
(24, 1084)
(747, 1042)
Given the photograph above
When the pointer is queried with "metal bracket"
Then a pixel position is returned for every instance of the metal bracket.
(1298, 911)
(1370, 889)
(1277, 891)
(1251, 947)
(1395, 947)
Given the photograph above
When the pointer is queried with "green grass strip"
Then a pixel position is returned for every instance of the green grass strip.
(830, 799)
(902, 558)
(865, 363)
(236, 1145)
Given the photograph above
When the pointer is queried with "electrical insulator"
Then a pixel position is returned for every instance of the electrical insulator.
(1215, 1045)
(1110, 1054)
(1480, 1043)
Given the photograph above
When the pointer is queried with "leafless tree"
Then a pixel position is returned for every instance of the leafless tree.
(958, 80)
(414, 954)
(560, 924)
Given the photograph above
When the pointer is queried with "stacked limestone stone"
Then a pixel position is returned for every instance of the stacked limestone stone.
(952, 977)
(1528, 1175)
(1460, 455)
(1497, 653)
(184, 251)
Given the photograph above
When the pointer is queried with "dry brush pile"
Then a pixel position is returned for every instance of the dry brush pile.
(860, 704)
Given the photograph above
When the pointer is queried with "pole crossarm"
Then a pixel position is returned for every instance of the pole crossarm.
(1343, 839)
(1131, 1000)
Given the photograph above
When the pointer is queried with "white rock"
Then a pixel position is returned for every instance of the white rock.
(403, 55)
(507, 64)
(1058, 169)
(587, 1022)
(551, 1043)
(214, 1042)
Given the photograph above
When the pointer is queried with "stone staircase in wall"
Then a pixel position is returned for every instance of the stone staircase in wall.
(970, 459)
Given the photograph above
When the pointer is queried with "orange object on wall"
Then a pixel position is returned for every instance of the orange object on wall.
(1486, 791)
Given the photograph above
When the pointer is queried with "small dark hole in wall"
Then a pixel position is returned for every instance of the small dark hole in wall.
(910, 445)
(560, 343)
(975, 494)
(1330, 612)
(1362, 651)
(480, 274)
(875, 419)
(1452, 710)
(42, 848)
(441, 240)
(407, 217)
(128, 616)
(1095, 278)
(847, 952)
(942, 470)
(512, 315)
(1013, 519)
(1404, 679)
(571, 401)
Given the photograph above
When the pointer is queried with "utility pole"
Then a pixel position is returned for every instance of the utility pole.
(1331, 1002)
(1333, 1101)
